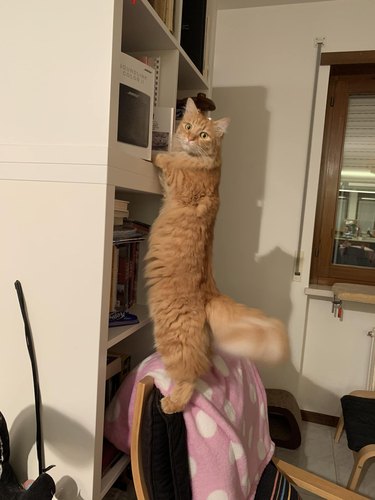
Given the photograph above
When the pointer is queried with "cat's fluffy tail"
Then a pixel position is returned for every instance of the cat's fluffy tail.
(246, 332)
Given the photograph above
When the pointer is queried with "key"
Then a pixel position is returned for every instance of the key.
(340, 311)
(336, 303)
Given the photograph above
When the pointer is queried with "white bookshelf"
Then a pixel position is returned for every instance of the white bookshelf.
(58, 181)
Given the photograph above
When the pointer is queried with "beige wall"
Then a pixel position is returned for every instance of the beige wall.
(263, 78)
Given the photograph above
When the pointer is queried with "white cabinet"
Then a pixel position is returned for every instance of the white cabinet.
(58, 181)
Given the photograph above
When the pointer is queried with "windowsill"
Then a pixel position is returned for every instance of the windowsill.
(319, 291)
(363, 294)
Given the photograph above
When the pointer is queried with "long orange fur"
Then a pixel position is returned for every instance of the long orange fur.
(187, 309)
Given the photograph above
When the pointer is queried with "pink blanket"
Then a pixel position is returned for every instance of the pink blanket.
(228, 437)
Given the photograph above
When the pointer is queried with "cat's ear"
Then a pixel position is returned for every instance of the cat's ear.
(221, 126)
(190, 106)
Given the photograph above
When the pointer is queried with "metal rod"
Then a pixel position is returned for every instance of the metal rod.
(297, 271)
(371, 365)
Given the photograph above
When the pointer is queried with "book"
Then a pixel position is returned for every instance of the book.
(114, 274)
(130, 231)
(124, 272)
(121, 212)
(162, 128)
(123, 277)
(121, 205)
(134, 275)
(122, 318)
(165, 10)
(127, 276)
(124, 236)
(119, 217)
(169, 15)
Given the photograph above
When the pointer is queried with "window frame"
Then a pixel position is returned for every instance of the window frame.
(344, 81)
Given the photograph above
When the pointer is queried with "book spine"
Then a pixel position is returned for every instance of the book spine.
(132, 273)
(114, 278)
(135, 276)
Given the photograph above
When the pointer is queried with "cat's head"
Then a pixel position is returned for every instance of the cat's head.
(197, 134)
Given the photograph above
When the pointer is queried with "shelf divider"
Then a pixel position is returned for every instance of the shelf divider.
(114, 472)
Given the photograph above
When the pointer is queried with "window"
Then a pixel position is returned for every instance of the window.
(344, 235)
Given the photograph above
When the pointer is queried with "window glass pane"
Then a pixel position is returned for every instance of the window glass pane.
(355, 209)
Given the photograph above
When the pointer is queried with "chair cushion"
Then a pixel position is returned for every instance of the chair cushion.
(359, 421)
(164, 452)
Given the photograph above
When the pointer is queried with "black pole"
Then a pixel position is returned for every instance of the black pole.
(30, 348)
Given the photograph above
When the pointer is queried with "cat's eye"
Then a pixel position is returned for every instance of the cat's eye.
(188, 126)
(203, 135)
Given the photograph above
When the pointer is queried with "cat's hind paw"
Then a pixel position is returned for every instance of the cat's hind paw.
(169, 406)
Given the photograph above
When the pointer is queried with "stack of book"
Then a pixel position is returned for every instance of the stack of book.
(130, 231)
(121, 212)
(125, 259)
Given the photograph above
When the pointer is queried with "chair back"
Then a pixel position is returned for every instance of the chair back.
(143, 390)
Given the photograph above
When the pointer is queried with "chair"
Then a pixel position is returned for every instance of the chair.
(354, 256)
(143, 390)
(358, 418)
(297, 476)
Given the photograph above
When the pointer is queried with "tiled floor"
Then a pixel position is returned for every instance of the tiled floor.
(319, 453)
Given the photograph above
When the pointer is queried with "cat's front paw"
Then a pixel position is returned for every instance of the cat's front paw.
(161, 160)
(169, 406)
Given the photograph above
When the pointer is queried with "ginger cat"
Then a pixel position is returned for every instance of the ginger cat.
(188, 311)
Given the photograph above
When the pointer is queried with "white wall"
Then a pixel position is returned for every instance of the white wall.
(263, 78)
